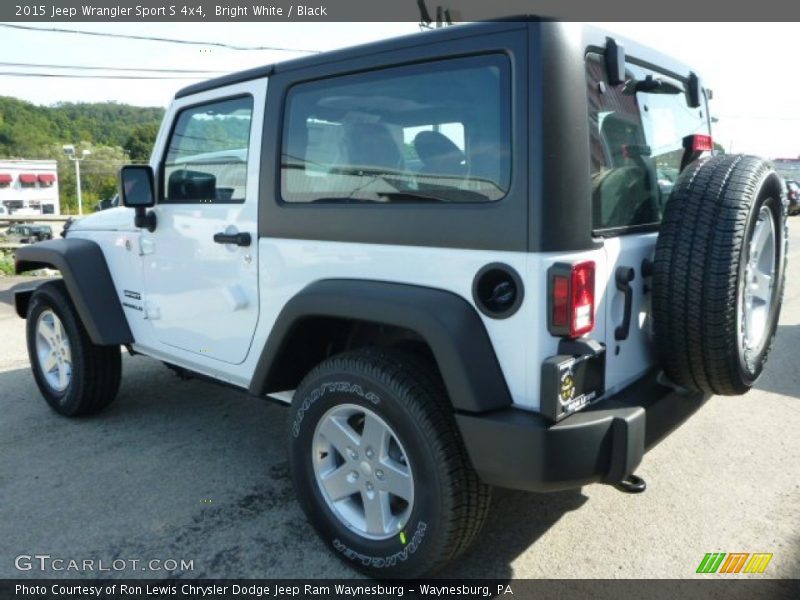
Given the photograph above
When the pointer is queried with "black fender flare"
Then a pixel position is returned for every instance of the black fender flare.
(449, 325)
(88, 280)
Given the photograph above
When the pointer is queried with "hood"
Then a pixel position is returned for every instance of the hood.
(113, 219)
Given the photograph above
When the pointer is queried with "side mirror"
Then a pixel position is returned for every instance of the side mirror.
(136, 190)
(136, 187)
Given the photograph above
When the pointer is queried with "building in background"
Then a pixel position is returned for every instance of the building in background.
(29, 187)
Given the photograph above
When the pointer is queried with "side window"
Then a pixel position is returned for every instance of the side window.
(438, 132)
(636, 136)
(206, 159)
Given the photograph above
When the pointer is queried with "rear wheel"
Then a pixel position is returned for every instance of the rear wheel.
(75, 376)
(718, 275)
(379, 467)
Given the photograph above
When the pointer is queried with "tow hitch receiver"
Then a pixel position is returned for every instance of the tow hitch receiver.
(632, 484)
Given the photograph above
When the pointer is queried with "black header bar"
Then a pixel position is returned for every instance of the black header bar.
(454, 11)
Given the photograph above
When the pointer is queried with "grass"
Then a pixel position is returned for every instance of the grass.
(6, 262)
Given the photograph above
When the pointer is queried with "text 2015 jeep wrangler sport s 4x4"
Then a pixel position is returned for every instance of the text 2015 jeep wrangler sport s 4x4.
(493, 254)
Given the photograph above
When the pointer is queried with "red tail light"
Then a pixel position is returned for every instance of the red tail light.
(560, 316)
(571, 299)
(702, 143)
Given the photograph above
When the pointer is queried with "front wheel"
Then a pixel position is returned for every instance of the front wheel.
(75, 376)
(379, 467)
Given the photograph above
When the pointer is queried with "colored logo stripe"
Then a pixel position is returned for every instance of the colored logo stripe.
(758, 563)
(711, 562)
(734, 563)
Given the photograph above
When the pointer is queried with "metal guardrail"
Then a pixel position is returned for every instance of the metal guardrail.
(9, 219)
(36, 218)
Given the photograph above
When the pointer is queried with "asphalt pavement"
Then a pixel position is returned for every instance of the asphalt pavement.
(190, 471)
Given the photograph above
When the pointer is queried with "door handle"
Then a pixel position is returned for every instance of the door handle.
(240, 239)
(623, 277)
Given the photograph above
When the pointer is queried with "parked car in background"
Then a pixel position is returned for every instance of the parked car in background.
(793, 194)
(27, 234)
(42, 232)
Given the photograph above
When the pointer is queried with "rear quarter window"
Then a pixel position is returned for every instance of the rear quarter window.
(432, 132)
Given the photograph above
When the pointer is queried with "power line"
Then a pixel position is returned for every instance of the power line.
(77, 76)
(98, 68)
(153, 39)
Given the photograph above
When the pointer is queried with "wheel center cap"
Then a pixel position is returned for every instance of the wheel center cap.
(366, 469)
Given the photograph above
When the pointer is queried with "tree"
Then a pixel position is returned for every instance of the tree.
(39, 132)
(140, 142)
(26, 128)
(719, 148)
(98, 174)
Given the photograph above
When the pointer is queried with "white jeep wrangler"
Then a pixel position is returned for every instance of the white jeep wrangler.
(493, 254)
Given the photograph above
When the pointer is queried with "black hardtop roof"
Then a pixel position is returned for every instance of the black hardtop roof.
(371, 48)
(592, 37)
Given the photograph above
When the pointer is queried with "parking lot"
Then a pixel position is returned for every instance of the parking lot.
(186, 470)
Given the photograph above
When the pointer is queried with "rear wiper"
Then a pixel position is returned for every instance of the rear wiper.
(650, 85)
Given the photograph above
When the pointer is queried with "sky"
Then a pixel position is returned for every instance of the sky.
(749, 66)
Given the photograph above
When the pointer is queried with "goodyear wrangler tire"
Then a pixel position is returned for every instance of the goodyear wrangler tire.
(75, 376)
(379, 468)
(718, 274)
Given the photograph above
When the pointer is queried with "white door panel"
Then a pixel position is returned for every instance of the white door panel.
(201, 296)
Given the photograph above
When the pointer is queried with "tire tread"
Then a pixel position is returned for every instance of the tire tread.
(696, 272)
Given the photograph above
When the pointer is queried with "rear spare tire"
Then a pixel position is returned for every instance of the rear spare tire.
(718, 274)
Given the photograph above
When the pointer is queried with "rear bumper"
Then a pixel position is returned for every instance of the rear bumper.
(604, 443)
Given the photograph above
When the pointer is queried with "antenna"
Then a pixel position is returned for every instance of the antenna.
(424, 15)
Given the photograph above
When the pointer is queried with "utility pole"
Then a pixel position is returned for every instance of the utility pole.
(69, 150)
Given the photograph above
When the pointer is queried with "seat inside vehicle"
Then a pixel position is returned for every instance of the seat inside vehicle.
(624, 194)
(439, 154)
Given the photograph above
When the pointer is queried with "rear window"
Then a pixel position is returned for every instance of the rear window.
(434, 132)
(636, 144)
